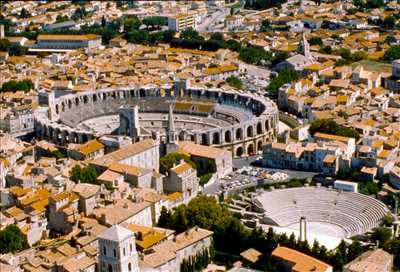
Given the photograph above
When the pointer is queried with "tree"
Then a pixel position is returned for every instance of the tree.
(285, 76)
(155, 22)
(57, 154)
(12, 240)
(4, 44)
(265, 25)
(87, 174)
(387, 220)
(393, 53)
(381, 234)
(12, 86)
(165, 219)
(393, 247)
(329, 126)
(131, 23)
(254, 55)
(235, 82)
(389, 22)
(18, 50)
(61, 18)
(316, 41)
(189, 34)
(355, 249)
(24, 13)
(168, 161)
(205, 178)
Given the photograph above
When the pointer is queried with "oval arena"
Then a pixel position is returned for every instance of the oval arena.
(240, 122)
(328, 212)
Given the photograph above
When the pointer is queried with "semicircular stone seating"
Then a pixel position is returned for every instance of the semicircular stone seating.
(354, 213)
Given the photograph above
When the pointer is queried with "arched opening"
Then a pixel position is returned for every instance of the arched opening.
(215, 138)
(228, 137)
(250, 149)
(259, 128)
(267, 125)
(104, 96)
(69, 104)
(110, 269)
(250, 131)
(77, 101)
(259, 146)
(129, 267)
(204, 139)
(239, 134)
(57, 108)
(94, 98)
(239, 151)
(62, 107)
(85, 99)
(181, 136)
(115, 253)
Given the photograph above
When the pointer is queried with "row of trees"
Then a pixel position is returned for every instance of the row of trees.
(329, 126)
(231, 238)
(13, 85)
(196, 263)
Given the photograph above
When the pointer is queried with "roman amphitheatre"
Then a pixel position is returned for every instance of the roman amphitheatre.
(238, 121)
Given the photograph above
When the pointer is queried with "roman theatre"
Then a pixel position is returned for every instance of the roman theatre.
(239, 121)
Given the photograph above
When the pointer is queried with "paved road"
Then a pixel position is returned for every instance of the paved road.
(209, 22)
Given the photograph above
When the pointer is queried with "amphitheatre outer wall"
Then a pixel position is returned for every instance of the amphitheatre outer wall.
(241, 138)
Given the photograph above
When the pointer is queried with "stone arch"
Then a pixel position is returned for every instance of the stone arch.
(267, 125)
(259, 128)
(228, 136)
(259, 145)
(250, 131)
(181, 136)
(250, 149)
(215, 138)
(239, 134)
(204, 139)
(239, 151)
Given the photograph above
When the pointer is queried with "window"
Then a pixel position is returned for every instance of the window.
(124, 252)
(104, 250)
(110, 269)
(130, 247)
(129, 267)
(115, 253)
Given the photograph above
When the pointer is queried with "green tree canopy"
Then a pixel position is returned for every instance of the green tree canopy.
(285, 76)
(235, 82)
(329, 126)
(393, 53)
(12, 86)
(12, 240)
(381, 234)
(168, 161)
(87, 174)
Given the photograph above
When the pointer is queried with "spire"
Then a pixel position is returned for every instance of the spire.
(171, 125)
(304, 46)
